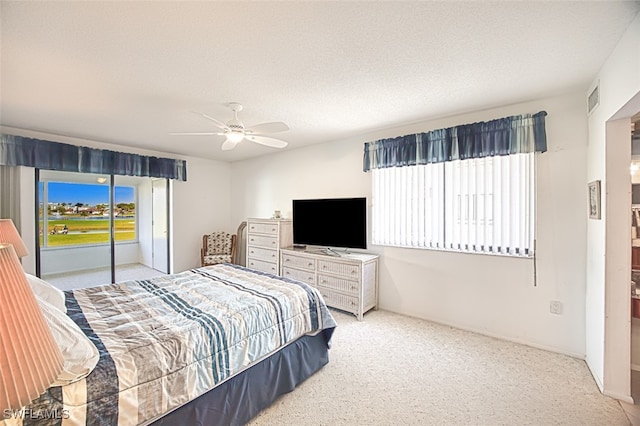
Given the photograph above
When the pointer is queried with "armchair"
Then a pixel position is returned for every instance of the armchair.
(218, 247)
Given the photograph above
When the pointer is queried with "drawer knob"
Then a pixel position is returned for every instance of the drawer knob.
(273, 229)
(353, 287)
(310, 264)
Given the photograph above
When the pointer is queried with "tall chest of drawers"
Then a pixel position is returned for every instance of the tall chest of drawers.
(348, 282)
(265, 238)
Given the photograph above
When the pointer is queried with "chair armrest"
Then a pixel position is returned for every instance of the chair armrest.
(203, 249)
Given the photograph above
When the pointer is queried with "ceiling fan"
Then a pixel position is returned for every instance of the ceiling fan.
(235, 131)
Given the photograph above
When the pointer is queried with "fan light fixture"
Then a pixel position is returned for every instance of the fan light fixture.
(235, 136)
(235, 131)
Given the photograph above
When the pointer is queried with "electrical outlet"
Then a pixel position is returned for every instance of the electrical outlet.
(555, 307)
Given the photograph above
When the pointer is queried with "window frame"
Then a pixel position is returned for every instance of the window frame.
(80, 179)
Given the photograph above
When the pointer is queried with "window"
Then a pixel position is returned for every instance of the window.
(78, 213)
(480, 205)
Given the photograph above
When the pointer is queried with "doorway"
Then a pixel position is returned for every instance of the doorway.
(635, 258)
(616, 233)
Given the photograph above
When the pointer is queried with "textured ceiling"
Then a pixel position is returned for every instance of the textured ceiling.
(131, 72)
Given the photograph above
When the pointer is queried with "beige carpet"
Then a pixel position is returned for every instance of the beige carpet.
(393, 370)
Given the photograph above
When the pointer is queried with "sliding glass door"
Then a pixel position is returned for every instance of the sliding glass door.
(74, 227)
(94, 229)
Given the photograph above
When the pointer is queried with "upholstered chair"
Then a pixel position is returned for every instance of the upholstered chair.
(218, 247)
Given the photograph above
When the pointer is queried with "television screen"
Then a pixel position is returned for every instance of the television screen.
(331, 222)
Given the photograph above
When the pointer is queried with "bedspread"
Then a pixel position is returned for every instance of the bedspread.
(168, 340)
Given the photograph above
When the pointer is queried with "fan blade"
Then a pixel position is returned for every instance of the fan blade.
(227, 145)
(264, 140)
(273, 127)
(216, 122)
(193, 133)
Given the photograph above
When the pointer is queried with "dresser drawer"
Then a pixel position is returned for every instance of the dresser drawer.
(260, 265)
(338, 300)
(270, 255)
(298, 261)
(263, 228)
(308, 277)
(340, 284)
(344, 269)
(262, 241)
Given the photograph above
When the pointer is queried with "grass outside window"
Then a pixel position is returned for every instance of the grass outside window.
(87, 231)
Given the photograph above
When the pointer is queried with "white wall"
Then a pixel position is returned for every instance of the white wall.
(607, 322)
(488, 294)
(69, 259)
(201, 204)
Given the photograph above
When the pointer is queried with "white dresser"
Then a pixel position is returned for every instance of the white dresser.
(265, 238)
(348, 282)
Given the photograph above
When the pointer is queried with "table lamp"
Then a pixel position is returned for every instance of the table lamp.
(9, 234)
(30, 360)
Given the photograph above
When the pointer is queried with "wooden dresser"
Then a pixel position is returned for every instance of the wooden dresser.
(348, 282)
(265, 238)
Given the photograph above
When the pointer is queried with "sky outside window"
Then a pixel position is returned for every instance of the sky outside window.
(88, 194)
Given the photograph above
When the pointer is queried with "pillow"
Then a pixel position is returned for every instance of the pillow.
(79, 354)
(46, 292)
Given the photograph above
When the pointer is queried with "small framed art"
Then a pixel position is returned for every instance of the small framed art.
(594, 199)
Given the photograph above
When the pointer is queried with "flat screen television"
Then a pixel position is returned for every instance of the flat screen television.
(330, 222)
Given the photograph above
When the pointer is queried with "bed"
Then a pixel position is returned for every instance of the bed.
(213, 345)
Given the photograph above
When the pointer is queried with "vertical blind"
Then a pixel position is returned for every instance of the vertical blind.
(470, 188)
(408, 206)
(483, 205)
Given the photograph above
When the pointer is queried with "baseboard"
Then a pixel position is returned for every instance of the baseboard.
(497, 336)
(595, 377)
(623, 398)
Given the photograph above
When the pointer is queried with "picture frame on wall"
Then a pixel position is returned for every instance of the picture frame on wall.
(594, 200)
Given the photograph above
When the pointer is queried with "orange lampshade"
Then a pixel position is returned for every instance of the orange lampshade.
(29, 357)
(9, 234)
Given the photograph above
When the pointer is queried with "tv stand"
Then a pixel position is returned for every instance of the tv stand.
(332, 252)
(348, 282)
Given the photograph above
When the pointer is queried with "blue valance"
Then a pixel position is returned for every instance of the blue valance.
(503, 136)
(42, 154)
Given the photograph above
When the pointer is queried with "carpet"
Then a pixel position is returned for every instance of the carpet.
(392, 369)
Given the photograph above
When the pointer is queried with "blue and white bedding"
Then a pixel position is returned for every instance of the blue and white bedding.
(168, 340)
